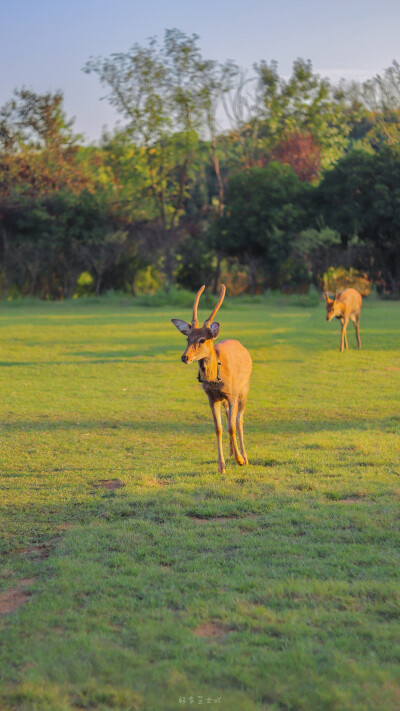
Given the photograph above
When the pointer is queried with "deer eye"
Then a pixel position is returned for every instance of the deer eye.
(202, 340)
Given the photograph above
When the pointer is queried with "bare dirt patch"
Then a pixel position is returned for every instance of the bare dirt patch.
(12, 599)
(354, 499)
(109, 484)
(38, 551)
(166, 566)
(210, 630)
(211, 519)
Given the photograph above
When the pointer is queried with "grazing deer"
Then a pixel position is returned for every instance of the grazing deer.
(224, 372)
(346, 306)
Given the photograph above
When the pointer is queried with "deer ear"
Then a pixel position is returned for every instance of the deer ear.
(214, 328)
(182, 326)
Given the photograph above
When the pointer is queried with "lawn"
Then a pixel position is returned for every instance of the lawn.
(135, 577)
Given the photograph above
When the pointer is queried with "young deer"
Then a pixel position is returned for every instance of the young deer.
(346, 306)
(224, 372)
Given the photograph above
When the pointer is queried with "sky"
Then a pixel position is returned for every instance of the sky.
(45, 43)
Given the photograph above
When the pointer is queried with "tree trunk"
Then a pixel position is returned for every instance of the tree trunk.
(253, 279)
(6, 282)
(253, 265)
(73, 276)
(168, 266)
(98, 283)
(217, 273)
(219, 178)
(33, 274)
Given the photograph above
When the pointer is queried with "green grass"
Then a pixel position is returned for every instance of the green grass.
(274, 586)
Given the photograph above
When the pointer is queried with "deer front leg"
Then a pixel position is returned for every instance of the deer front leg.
(357, 327)
(233, 410)
(343, 339)
(216, 413)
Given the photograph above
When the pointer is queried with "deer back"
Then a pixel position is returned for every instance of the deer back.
(352, 300)
(236, 365)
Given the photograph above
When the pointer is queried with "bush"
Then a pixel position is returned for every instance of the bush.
(84, 285)
(179, 298)
(338, 279)
(148, 280)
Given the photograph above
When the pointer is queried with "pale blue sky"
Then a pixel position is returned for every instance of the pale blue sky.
(45, 43)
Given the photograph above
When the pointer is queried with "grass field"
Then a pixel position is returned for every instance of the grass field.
(274, 586)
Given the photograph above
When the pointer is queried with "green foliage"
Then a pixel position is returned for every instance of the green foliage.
(37, 121)
(176, 297)
(148, 280)
(163, 92)
(153, 196)
(361, 196)
(337, 279)
(304, 103)
(84, 284)
(195, 261)
(293, 272)
(265, 207)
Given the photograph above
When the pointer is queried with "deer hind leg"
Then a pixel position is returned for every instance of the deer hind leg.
(356, 320)
(239, 424)
(216, 413)
(233, 412)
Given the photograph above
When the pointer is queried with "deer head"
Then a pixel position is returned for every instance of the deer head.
(199, 338)
(333, 307)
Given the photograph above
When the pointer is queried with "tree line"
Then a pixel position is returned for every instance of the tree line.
(269, 180)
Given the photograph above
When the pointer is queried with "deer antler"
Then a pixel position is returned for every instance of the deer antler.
(195, 322)
(220, 300)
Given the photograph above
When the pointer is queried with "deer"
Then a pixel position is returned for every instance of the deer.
(346, 306)
(224, 372)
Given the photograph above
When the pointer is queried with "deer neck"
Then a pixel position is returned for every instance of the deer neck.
(209, 368)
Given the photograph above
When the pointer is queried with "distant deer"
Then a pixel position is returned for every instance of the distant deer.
(346, 306)
(224, 372)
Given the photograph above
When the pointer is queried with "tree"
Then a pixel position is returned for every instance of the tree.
(381, 98)
(161, 92)
(37, 121)
(301, 152)
(303, 104)
(316, 250)
(265, 208)
(360, 198)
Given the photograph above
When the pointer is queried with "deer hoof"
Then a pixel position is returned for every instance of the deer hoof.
(221, 469)
(240, 461)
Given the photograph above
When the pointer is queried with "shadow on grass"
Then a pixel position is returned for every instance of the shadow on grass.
(296, 426)
(103, 358)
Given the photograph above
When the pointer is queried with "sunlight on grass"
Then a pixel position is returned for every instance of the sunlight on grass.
(274, 586)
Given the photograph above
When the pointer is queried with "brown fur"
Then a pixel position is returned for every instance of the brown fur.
(346, 306)
(234, 371)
